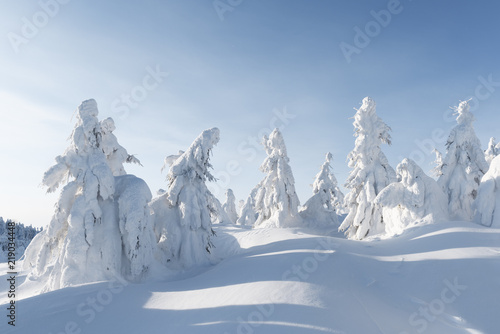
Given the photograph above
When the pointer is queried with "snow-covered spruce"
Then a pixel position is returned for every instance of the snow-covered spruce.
(416, 198)
(438, 162)
(183, 222)
(326, 203)
(98, 230)
(230, 206)
(276, 202)
(248, 215)
(463, 166)
(370, 173)
(487, 204)
(217, 212)
(492, 150)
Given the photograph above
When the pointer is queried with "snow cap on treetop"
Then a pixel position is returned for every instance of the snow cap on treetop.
(108, 125)
(210, 137)
(198, 152)
(406, 170)
(276, 142)
(464, 116)
(368, 104)
(88, 107)
(328, 157)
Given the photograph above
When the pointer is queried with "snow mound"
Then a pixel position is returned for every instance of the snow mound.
(437, 278)
(415, 198)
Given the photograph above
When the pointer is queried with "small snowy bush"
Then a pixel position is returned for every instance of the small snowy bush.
(326, 203)
(230, 206)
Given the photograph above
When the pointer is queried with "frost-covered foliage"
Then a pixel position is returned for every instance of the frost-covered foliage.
(132, 197)
(22, 236)
(370, 173)
(436, 171)
(492, 150)
(463, 166)
(116, 155)
(276, 202)
(183, 222)
(326, 203)
(98, 230)
(169, 160)
(217, 212)
(487, 204)
(415, 198)
(248, 215)
(230, 206)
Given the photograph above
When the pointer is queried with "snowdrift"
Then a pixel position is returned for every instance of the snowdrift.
(437, 278)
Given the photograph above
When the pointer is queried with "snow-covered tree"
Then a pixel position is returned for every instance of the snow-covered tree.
(116, 155)
(230, 206)
(276, 202)
(183, 214)
(326, 203)
(463, 166)
(370, 173)
(217, 212)
(415, 198)
(492, 150)
(438, 162)
(487, 204)
(86, 241)
(248, 215)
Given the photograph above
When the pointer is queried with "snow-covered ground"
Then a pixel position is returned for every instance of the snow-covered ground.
(438, 278)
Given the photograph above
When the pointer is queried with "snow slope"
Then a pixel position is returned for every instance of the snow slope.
(439, 278)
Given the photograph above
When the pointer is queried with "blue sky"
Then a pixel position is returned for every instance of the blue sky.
(264, 58)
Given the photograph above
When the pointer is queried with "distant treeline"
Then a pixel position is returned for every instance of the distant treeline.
(23, 236)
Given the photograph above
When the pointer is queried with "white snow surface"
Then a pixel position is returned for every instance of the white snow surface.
(437, 279)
